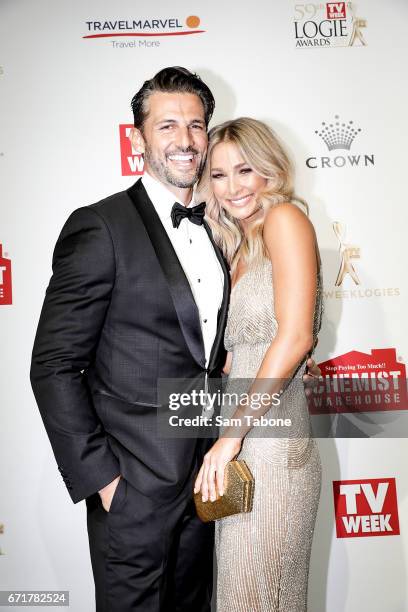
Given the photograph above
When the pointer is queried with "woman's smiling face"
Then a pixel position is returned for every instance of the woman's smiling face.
(235, 184)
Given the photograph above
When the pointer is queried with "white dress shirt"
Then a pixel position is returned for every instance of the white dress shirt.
(196, 256)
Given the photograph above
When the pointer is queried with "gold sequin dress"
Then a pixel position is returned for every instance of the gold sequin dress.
(263, 556)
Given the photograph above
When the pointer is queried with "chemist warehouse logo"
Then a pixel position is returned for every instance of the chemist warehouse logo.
(142, 29)
(360, 382)
(366, 507)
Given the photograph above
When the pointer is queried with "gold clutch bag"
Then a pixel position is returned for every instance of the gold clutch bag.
(238, 495)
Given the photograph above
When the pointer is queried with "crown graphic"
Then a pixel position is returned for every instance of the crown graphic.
(338, 135)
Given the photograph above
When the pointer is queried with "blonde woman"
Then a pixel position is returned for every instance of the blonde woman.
(274, 317)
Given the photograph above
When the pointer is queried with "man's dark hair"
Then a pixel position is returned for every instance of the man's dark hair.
(170, 80)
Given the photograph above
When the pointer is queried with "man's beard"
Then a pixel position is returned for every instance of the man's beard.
(163, 172)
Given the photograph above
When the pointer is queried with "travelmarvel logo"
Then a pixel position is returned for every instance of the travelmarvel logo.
(143, 27)
(366, 507)
(132, 162)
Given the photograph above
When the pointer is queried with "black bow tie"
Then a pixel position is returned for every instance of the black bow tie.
(195, 214)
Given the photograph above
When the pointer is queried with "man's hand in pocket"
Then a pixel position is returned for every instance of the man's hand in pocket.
(107, 493)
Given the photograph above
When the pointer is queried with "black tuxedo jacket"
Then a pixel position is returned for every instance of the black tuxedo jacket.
(118, 315)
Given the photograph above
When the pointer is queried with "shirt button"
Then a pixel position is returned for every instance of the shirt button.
(205, 321)
(199, 280)
(191, 242)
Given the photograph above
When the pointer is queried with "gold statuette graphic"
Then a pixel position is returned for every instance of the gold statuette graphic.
(347, 252)
(357, 33)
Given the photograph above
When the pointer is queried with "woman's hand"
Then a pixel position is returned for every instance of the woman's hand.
(311, 378)
(227, 366)
(211, 474)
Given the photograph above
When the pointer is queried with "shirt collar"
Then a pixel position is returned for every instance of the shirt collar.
(161, 197)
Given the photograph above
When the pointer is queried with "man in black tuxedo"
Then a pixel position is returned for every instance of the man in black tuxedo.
(122, 310)
(139, 292)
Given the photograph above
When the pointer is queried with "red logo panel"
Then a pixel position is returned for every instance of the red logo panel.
(5, 279)
(336, 10)
(366, 507)
(132, 162)
(361, 382)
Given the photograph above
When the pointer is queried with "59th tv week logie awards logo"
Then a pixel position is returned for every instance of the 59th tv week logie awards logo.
(330, 24)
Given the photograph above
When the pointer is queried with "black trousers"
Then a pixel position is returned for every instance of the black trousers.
(149, 557)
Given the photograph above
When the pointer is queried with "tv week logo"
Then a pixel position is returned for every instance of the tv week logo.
(366, 507)
(5, 279)
(132, 162)
(336, 10)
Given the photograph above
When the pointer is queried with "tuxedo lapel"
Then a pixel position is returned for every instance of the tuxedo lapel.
(180, 290)
(223, 312)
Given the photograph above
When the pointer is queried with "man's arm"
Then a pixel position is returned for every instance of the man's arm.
(71, 320)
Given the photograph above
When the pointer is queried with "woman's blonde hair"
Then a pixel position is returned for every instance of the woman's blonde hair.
(263, 152)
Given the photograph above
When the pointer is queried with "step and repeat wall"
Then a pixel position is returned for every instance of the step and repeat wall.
(328, 78)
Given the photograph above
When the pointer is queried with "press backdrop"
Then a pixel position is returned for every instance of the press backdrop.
(329, 78)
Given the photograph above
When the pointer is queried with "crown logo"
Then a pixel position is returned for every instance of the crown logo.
(338, 135)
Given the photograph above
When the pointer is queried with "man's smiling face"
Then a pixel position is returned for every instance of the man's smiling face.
(174, 138)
